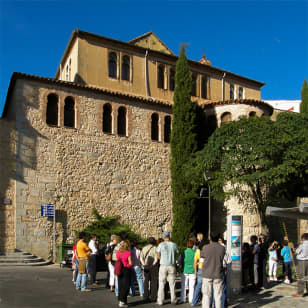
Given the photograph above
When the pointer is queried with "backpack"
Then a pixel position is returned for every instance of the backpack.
(118, 267)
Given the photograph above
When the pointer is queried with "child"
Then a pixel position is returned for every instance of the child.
(273, 261)
(287, 261)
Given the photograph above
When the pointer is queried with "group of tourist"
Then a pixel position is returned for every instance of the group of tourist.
(203, 265)
(256, 255)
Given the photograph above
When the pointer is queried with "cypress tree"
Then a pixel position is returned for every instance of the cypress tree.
(183, 144)
(304, 104)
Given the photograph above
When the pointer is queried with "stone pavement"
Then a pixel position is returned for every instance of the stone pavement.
(51, 287)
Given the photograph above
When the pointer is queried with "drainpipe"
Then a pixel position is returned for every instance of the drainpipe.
(146, 73)
(223, 86)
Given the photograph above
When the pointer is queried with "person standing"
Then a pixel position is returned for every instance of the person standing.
(212, 272)
(189, 274)
(262, 279)
(273, 261)
(136, 270)
(255, 251)
(92, 261)
(198, 262)
(287, 261)
(302, 264)
(166, 253)
(75, 262)
(148, 259)
(110, 256)
(124, 278)
(83, 252)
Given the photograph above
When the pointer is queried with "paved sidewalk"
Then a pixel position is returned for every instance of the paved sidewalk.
(52, 287)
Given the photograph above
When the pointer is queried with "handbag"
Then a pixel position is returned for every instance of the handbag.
(118, 267)
(146, 267)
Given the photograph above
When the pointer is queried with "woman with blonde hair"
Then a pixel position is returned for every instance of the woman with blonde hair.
(124, 278)
(273, 261)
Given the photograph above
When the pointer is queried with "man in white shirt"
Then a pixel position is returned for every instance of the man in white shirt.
(92, 261)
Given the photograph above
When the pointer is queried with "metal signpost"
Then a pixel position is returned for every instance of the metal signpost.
(49, 210)
(234, 248)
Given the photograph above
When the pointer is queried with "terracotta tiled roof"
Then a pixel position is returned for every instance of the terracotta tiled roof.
(17, 75)
(209, 104)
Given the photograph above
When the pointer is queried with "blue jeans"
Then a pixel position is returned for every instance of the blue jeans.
(81, 282)
(137, 275)
(76, 269)
(198, 287)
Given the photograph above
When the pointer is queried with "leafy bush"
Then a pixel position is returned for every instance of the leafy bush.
(104, 227)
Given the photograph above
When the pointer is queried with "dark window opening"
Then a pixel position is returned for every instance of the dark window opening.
(252, 114)
(231, 91)
(107, 119)
(172, 79)
(52, 110)
(154, 127)
(122, 121)
(167, 129)
(226, 117)
(125, 68)
(160, 76)
(240, 92)
(193, 85)
(112, 63)
(69, 112)
(204, 87)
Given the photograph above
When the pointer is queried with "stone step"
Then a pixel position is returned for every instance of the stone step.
(19, 258)
(26, 264)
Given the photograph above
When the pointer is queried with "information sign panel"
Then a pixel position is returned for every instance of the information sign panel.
(47, 210)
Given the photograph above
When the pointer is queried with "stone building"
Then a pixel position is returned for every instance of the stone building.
(97, 135)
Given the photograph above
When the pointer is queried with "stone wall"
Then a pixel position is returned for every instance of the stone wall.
(78, 169)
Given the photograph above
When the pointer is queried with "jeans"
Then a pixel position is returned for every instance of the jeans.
(76, 269)
(197, 291)
(81, 282)
(166, 273)
(207, 286)
(137, 275)
(188, 281)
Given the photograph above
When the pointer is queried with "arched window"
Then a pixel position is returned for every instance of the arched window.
(252, 114)
(52, 110)
(69, 112)
(107, 119)
(126, 68)
(226, 117)
(160, 76)
(154, 127)
(167, 129)
(171, 79)
(122, 121)
(231, 91)
(193, 85)
(204, 87)
(112, 64)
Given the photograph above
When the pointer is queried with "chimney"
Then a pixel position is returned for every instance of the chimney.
(205, 61)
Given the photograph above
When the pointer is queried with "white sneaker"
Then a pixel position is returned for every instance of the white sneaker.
(275, 279)
(287, 281)
(271, 279)
(121, 304)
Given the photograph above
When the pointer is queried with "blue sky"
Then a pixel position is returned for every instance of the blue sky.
(262, 40)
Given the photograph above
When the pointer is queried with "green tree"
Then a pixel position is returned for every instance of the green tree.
(256, 159)
(183, 144)
(304, 103)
